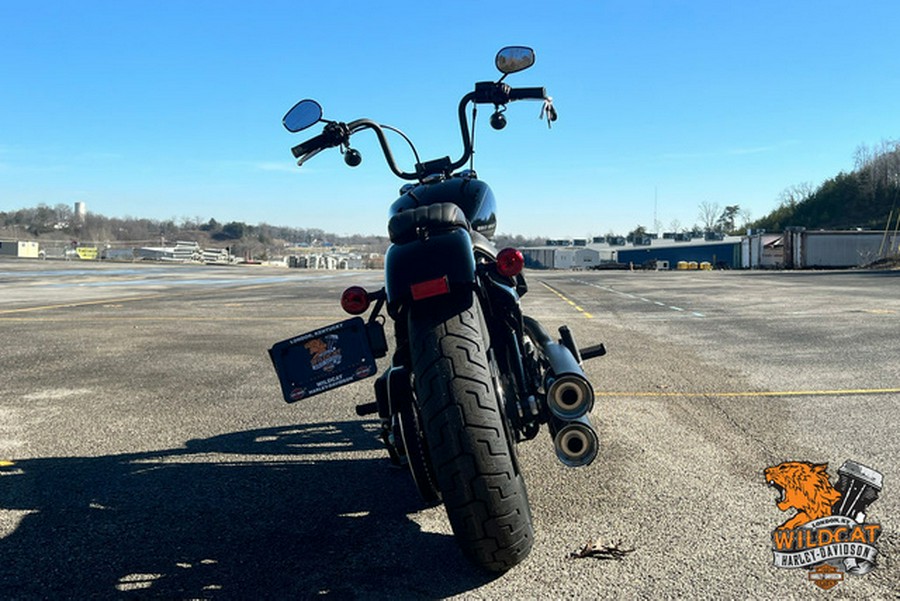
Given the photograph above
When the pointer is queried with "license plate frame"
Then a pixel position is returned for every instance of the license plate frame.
(323, 359)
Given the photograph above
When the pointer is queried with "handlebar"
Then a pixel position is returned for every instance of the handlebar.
(314, 143)
(334, 134)
(338, 133)
(527, 94)
(488, 92)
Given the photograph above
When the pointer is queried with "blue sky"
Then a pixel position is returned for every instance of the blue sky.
(172, 109)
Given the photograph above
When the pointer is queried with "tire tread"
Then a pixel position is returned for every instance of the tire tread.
(485, 497)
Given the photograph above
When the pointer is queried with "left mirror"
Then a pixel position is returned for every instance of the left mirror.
(302, 115)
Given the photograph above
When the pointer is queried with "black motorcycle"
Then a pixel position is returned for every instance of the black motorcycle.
(471, 376)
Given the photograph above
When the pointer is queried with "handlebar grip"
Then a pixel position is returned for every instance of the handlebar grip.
(313, 143)
(527, 93)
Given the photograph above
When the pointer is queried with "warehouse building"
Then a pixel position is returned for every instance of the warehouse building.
(721, 251)
(762, 251)
(798, 248)
(563, 257)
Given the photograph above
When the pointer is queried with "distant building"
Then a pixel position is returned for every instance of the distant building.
(762, 251)
(332, 260)
(182, 252)
(797, 248)
(809, 249)
(724, 253)
(647, 250)
(28, 249)
(561, 257)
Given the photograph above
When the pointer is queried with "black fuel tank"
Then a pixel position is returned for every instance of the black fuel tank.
(471, 195)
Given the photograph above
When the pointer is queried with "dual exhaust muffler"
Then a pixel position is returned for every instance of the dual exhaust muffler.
(569, 394)
(575, 441)
(569, 398)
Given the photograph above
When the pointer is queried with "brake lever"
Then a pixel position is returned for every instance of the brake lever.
(308, 156)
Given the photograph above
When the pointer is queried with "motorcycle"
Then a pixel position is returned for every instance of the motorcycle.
(471, 375)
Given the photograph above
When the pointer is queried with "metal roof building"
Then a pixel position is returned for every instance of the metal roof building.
(723, 252)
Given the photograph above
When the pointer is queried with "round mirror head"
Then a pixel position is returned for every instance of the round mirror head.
(302, 115)
(514, 58)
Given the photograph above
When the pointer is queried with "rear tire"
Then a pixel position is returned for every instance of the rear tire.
(465, 430)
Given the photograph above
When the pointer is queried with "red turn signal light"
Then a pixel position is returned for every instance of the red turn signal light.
(355, 300)
(510, 262)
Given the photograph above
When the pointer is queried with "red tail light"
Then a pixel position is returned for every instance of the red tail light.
(510, 262)
(355, 300)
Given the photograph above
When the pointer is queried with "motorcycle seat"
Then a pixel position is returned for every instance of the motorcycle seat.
(442, 216)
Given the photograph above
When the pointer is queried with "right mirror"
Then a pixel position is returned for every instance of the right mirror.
(514, 58)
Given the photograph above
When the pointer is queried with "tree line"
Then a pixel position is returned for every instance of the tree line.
(60, 224)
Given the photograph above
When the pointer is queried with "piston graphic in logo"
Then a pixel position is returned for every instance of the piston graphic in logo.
(829, 535)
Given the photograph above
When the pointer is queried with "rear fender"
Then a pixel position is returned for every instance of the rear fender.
(446, 254)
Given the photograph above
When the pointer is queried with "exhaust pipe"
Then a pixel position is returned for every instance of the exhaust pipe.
(569, 394)
(569, 399)
(575, 441)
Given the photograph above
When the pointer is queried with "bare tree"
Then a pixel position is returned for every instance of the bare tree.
(64, 212)
(709, 214)
(745, 216)
(880, 165)
(794, 195)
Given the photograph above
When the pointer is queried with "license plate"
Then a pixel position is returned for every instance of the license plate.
(321, 360)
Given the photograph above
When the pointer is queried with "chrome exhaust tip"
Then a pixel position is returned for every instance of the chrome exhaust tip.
(576, 442)
(569, 396)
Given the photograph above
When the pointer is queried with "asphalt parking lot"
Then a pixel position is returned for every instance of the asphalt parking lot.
(145, 451)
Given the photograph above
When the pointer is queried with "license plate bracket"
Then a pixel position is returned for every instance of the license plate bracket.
(324, 359)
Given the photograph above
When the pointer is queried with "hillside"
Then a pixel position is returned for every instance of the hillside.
(866, 198)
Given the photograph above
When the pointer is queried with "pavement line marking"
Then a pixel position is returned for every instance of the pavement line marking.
(762, 393)
(255, 286)
(105, 301)
(560, 295)
(125, 299)
(641, 298)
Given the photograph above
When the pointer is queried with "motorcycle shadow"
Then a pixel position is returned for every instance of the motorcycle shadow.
(267, 513)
